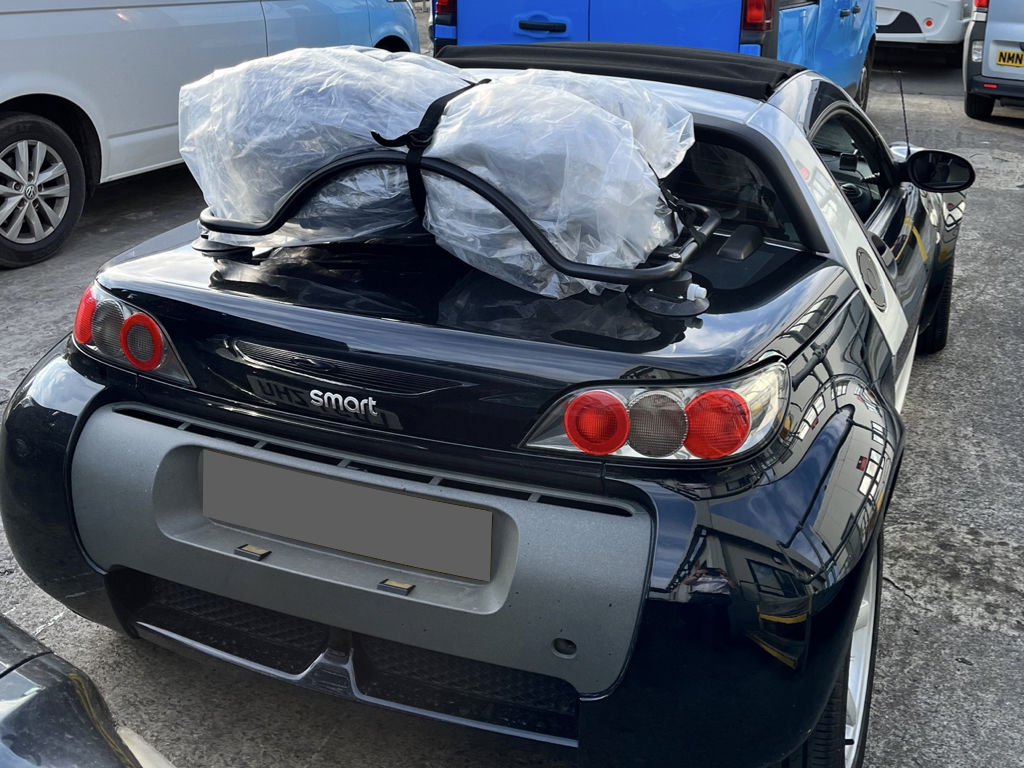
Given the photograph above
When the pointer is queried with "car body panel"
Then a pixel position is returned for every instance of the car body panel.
(907, 21)
(690, 23)
(300, 24)
(137, 133)
(1004, 30)
(830, 36)
(986, 77)
(123, 66)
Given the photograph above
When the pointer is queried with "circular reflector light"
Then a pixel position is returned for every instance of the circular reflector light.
(657, 425)
(107, 320)
(141, 342)
(83, 317)
(719, 424)
(597, 422)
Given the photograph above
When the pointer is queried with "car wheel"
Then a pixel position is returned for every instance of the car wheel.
(839, 738)
(933, 338)
(864, 86)
(978, 107)
(42, 189)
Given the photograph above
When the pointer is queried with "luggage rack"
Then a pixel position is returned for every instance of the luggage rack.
(674, 294)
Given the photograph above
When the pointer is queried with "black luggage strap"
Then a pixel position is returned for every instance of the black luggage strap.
(687, 214)
(418, 140)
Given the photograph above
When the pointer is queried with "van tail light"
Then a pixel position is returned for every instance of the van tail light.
(671, 423)
(119, 334)
(981, 3)
(445, 6)
(758, 15)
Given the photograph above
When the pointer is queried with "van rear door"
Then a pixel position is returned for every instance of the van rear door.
(1004, 40)
(690, 23)
(481, 22)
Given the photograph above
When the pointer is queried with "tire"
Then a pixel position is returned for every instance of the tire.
(978, 107)
(36, 218)
(955, 57)
(829, 744)
(934, 336)
(864, 86)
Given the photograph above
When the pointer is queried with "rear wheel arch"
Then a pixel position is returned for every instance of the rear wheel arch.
(392, 43)
(73, 120)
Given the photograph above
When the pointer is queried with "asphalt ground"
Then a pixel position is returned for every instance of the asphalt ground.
(949, 689)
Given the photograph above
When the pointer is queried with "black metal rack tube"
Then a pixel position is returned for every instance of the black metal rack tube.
(302, 192)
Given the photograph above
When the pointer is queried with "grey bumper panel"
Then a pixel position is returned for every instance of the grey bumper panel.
(557, 571)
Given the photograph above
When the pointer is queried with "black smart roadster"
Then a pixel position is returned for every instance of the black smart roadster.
(644, 524)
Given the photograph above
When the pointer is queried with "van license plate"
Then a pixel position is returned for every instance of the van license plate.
(1010, 59)
(360, 519)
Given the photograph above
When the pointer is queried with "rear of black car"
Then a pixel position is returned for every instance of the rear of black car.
(410, 377)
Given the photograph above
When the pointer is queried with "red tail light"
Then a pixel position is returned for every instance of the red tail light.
(141, 342)
(83, 317)
(719, 422)
(643, 420)
(758, 15)
(116, 332)
(597, 423)
(445, 6)
(981, 3)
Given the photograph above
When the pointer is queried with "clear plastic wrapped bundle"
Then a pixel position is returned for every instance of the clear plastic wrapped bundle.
(581, 155)
(250, 133)
(577, 169)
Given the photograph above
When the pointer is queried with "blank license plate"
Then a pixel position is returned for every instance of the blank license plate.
(1010, 58)
(385, 525)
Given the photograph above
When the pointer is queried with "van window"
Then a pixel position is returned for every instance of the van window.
(731, 183)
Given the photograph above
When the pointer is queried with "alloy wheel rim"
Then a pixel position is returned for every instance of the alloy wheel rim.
(860, 665)
(35, 188)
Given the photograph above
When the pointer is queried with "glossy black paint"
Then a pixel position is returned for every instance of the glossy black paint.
(51, 714)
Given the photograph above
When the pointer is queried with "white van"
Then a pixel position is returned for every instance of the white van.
(994, 59)
(89, 89)
(925, 22)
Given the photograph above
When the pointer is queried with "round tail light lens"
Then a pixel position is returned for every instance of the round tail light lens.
(597, 423)
(107, 320)
(83, 317)
(657, 425)
(719, 424)
(142, 342)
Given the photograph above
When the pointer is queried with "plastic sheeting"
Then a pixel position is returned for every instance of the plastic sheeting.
(581, 155)
(252, 132)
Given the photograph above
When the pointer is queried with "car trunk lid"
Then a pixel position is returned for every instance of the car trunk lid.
(418, 343)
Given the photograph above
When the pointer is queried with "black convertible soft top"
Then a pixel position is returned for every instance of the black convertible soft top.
(750, 76)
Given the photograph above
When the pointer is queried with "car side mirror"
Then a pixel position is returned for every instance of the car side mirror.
(936, 171)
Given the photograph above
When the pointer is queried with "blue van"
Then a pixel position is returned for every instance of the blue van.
(833, 37)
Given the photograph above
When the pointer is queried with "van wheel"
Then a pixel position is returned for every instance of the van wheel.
(864, 86)
(978, 107)
(42, 189)
(839, 738)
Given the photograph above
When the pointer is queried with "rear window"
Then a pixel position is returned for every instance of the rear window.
(732, 184)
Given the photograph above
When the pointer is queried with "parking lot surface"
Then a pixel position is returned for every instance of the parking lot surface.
(949, 689)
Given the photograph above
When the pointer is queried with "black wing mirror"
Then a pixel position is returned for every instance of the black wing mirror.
(936, 171)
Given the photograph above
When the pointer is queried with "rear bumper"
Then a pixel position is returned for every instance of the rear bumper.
(1003, 88)
(947, 28)
(782, 644)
